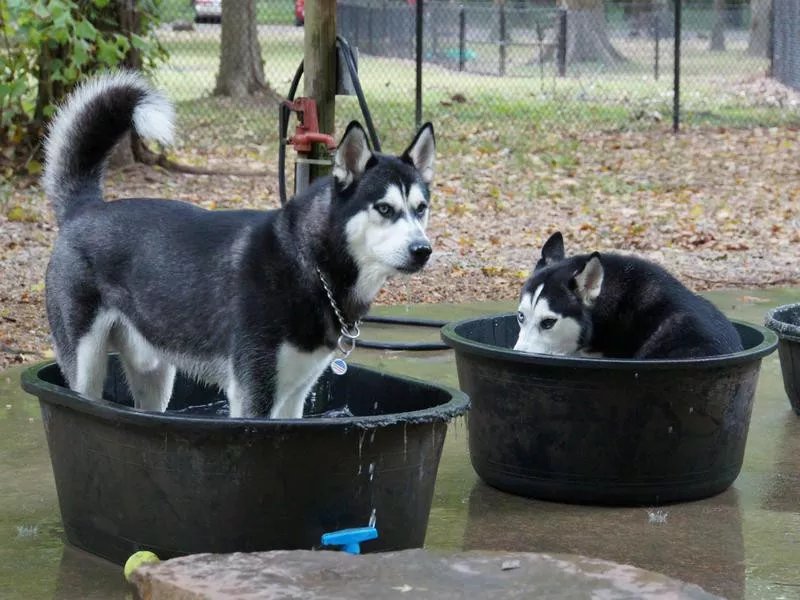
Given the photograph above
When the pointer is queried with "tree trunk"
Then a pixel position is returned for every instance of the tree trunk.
(587, 38)
(129, 24)
(241, 68)
(718, 29)
(760, 29)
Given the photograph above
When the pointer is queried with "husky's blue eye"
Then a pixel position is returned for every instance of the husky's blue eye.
(421, 209)
(384, 210)
(520, 317)
(547, 323)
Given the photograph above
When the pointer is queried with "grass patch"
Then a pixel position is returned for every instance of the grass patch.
(516, 108)
(736, 117)
(268, 12)
(176, 10)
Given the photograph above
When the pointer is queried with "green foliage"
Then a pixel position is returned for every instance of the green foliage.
(48, 46)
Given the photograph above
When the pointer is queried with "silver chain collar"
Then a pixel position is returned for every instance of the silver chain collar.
(348, 334)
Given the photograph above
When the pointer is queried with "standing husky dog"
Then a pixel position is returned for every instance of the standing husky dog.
(253, 302)
(616, 306)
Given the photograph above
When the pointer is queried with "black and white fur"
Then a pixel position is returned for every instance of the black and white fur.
(618, 307)
(231, 298)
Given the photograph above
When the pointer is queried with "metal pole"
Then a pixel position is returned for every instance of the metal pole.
(658, 40)
(502, 39)
(320, 72)
(356, 41)
(540, 38)
(676, 77)
(562, 43)
(434, 19)
(420, 16)
(462, 34)
(771, 41)
(370, 39)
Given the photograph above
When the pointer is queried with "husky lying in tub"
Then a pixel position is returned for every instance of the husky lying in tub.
(617, 307)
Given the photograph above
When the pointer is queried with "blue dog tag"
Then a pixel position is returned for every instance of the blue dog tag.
(339, 367)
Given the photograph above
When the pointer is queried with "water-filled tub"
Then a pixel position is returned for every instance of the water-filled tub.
(196, 481)
(603, 431)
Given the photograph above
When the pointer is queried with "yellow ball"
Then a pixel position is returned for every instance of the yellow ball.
(136, 560)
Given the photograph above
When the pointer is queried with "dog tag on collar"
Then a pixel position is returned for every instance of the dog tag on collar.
(338, 366)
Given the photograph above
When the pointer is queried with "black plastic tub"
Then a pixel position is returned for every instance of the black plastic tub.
(785, 322)
(601, 431)
(197, 481)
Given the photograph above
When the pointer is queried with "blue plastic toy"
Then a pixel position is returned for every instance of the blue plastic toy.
(349, 539)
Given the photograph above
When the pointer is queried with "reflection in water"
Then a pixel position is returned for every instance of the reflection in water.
(83, 576)
(699, 542)
(783, 492)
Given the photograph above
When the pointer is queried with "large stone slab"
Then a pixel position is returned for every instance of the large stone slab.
(417, 574)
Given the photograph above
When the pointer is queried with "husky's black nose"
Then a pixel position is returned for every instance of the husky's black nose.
(420, 252)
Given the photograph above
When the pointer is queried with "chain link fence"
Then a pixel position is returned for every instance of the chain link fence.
(503, 63)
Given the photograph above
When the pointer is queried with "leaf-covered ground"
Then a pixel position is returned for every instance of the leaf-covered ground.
(720, 208)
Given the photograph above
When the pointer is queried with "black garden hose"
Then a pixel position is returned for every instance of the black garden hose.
(283, 134)
(417, 346)
(362, 101)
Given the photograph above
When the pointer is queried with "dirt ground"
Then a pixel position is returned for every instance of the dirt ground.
(720, 208)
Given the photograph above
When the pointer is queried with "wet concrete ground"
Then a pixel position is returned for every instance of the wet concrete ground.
(744, 543)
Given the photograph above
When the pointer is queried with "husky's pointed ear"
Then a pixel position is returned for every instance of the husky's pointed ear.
(552, 251)
(422, 152)
(589, 280)
(352, 155)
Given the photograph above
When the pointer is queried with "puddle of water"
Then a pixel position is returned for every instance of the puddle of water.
(34, 563)
(742, 544)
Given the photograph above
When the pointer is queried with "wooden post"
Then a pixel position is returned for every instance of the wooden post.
(320, 71)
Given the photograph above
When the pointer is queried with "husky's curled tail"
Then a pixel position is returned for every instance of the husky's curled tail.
(86, 129)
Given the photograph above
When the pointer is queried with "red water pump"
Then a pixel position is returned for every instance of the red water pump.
(307, 132)
(306, 135)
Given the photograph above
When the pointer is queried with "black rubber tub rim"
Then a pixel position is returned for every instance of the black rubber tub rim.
(103, 409)
(460, 343)
(775, 320)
